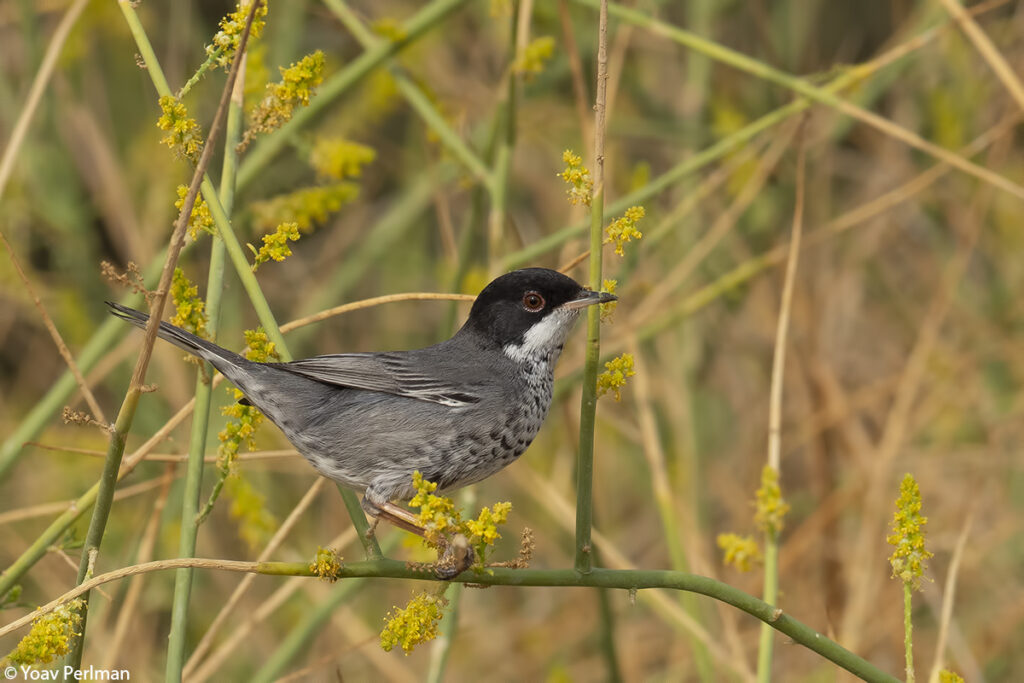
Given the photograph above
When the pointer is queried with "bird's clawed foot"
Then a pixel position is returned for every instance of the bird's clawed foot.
(456, 557)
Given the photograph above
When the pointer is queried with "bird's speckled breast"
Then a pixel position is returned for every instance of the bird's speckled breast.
(477, 457)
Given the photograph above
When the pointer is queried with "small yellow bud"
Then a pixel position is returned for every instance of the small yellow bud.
(624, 230)
(739, 551)
(771, 508)
(617, 370)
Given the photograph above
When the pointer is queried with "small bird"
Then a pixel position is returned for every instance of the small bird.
(457, 411)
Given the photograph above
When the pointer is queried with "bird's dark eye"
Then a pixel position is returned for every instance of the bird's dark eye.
(533, 302)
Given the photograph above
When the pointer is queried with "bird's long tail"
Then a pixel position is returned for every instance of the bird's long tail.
(219, 357)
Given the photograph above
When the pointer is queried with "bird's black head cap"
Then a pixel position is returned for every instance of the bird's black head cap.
(513, 303)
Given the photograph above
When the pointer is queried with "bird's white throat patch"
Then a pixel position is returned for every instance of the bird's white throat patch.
(544, 340)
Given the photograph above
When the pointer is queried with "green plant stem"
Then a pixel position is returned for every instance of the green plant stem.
(200, 72)
(506, 140)
(908, 630)
(204, 391)
(771, 595)
(500, 576)
(606, 632)
(442, 646)
(370, 545)
(588, 396)
(265, 149)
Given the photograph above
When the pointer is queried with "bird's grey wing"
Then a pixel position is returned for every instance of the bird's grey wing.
(396, 373)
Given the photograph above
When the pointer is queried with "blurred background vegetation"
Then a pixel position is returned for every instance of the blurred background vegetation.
(901, 338)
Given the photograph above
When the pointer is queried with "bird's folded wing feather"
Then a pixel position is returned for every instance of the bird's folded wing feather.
(384, 372)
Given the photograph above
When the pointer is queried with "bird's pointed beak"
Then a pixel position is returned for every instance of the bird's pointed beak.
(589, 298)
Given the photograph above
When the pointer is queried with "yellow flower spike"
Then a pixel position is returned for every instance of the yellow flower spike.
(261, 349)
(275, 244)
(389, 28)
(48, 637)
(532, 59)
(609, 308)
(256, 524)
(910, 558)
(947, 676)
(225, 42)
(200, 219)
(770, 507)
(339, 158)
(326, 564)
(741, 552)
(415, 624)
(577, 175)
(306, 207)
(617, 370)
(624, 230)
(183, 136)
(437, 515)
(298, 84)
(190, 310)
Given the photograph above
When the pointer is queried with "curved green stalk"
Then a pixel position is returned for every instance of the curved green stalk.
(623, 579)
(201, 413)
(588, 397)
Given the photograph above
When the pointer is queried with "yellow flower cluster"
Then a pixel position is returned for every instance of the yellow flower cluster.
(256, 524)
(616, 371)
(245, 418)
(183, 136)
(947, 676)
(439, 516)
(415, 624)
(770, 507)
(624, 230)
(275, 244)
(326, 564)
(910, 558)
(609, 308)
(437, 513)
(306, 207)
(200, 219)
(298, 84)
(578, 176)
(739, 551)
(485, 527)
(190, 310)
(531, 60)
(339, 158)
(389, 29)
(48, 637)
(225, 41)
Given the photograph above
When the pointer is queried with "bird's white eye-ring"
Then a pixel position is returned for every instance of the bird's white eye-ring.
(533, 301)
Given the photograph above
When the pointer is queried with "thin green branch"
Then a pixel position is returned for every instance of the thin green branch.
(908, 629)
(499, 576)
(588, 397)
(200, 72)
(506, 139)
(204, 391)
